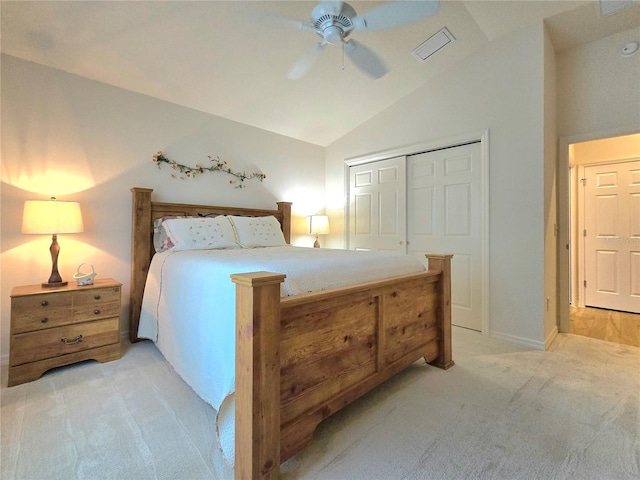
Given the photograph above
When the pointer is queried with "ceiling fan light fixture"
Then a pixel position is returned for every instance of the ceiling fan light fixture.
(333, 35)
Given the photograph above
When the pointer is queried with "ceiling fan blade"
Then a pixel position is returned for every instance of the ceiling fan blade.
(306, 62)
(290, 23)
(365, 59)
(395, 14)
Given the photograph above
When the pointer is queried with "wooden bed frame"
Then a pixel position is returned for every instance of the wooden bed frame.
(300, 359)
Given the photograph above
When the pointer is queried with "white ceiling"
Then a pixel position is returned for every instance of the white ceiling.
(228, 58)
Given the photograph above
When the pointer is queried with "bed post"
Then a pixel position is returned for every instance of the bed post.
(140, 254)
(285, 210)
(443, 264)
(257, 435)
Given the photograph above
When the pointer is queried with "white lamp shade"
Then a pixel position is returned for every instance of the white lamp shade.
(319, 224)
(51, 217)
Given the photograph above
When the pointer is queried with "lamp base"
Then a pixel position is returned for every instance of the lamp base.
(55, 280)
(316, 244)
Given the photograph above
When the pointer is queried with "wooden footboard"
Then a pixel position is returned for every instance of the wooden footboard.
(302, 358)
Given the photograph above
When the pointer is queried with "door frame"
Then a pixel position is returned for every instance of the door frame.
(565, 240)
(481, 136)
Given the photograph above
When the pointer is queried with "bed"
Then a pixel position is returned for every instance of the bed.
(300, 358)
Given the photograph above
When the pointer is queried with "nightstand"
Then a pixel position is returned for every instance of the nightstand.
(51, 327)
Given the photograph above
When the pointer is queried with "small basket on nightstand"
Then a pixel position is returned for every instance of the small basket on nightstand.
(84, 279)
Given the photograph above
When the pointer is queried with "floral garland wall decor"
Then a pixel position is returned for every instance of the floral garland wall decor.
(217, 165)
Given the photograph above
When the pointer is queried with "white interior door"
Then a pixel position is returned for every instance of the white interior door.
(612, 236)
(377, 205)
(444, 216)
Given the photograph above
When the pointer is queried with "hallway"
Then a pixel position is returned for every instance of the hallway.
(609, 325)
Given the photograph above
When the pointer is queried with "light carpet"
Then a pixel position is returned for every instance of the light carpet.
(502, 412)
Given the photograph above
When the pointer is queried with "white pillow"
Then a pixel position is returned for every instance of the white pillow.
(258, 231)
(161, 241)
(200, 233)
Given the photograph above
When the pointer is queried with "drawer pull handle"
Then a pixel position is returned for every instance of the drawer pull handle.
(44, 320)
(44, 303)
(96, 297)
(66, 341)
(96, 312)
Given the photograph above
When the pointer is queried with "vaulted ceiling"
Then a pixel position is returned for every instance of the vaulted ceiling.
(230, 58)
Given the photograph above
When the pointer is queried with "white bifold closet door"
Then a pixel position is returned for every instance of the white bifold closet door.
(378, 205)
(425, 203)
(444, 211)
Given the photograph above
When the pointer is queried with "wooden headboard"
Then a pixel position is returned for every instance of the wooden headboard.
(145, 212)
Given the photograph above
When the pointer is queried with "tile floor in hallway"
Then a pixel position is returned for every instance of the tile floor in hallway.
(609, 325)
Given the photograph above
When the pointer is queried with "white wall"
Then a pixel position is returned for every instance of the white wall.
(606, 150)
(81, 140)
(501, 88)
(550, 193)
(598, 89)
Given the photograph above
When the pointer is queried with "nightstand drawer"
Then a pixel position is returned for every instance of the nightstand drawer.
(38, 312)
(54, 342)
(97, 311)
(35, 312)
(41, 320)
(41, 303)
(96, 296)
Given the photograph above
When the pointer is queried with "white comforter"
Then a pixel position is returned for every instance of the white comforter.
(188, 308)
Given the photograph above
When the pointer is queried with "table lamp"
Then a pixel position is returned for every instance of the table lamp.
(52, 217)
(318, 225)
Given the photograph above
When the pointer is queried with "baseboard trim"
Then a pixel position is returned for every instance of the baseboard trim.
(518, 340)
(550, 338)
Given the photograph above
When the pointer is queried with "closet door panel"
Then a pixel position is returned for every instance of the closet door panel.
(378, 205)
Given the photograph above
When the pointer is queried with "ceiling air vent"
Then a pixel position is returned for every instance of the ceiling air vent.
(434, 44)
(611, 7)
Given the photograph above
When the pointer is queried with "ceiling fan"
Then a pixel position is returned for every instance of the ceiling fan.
(334, 21)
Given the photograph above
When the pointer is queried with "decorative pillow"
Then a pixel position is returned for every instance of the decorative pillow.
(161, 240)
(200, 233)
(258, 231)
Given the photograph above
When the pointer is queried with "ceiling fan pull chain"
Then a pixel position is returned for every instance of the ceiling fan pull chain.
(342, 57)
